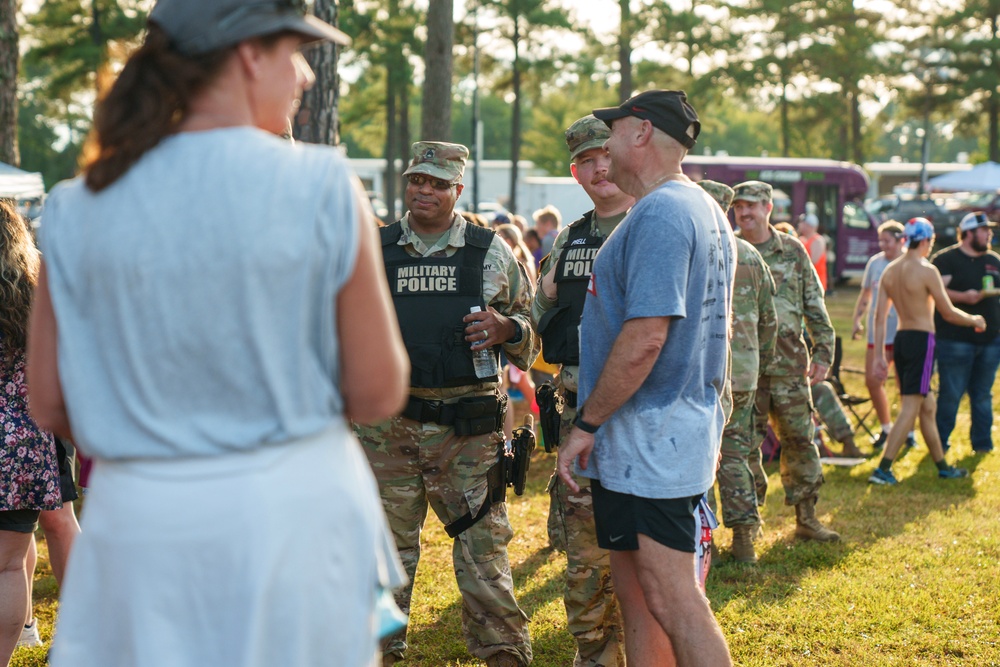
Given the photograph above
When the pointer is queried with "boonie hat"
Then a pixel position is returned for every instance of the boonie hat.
(667, 110)
(975, 221)
(918, 229)
(720, 192)
(196, 26)
(586, 133)
(439, 160)
(752, 191)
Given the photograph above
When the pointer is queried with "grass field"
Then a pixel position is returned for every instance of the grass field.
(914, 581)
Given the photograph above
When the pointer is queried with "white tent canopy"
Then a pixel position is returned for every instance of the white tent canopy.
(18, 184)
(983, 177)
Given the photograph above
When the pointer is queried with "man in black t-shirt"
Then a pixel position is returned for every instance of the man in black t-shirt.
(967, 361)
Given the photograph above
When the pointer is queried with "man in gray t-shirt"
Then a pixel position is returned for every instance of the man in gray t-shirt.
(653, 367)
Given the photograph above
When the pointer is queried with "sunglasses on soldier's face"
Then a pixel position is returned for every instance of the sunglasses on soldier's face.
(418, 180)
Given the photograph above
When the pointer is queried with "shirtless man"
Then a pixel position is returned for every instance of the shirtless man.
(914, 287)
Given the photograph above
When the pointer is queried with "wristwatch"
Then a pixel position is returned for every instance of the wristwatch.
(518, 332)
(583, 425)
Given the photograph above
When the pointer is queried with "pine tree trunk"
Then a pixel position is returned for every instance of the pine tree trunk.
(8, 82)
(993, 106)
(857, 147)
(515, 139)
(391, 144)
(625, 51)
(435, 122)
(316, 121)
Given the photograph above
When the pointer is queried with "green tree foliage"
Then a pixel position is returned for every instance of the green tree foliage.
(385, 44)
(73, 41)
(769, 40)
(521, 23)
(972, 38)
(545, 143)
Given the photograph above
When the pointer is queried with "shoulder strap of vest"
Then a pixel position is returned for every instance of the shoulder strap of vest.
(390, 233)
(477, 236)
(584, 220)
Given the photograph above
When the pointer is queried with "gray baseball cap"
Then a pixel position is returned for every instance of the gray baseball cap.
(199, 26)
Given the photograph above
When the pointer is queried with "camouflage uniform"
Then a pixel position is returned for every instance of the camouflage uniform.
(416, 463)
(752, 346)
(783, 390)
(831, 412)
(592, 612)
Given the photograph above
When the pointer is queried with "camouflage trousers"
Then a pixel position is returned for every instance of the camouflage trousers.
(737, 488)
(831, 411)
(592, 613)
(416, 464)
(786, 399)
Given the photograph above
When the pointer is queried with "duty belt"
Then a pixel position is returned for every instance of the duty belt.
(470, 415)
(423, 410)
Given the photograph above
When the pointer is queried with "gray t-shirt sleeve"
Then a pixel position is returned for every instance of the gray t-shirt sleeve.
(652, 245)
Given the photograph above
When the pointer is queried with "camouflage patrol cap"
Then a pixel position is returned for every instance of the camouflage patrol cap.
(720, 192)
(586, 133)
(752, 191)
(438, 160)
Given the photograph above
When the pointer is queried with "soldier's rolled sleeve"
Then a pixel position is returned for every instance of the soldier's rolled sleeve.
(513, 298)
(817, 318)
(542, 303)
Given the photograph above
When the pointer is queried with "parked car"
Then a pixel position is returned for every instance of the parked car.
(902, 209)
(960, 205)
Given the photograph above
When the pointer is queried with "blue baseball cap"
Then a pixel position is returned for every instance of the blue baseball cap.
(917, 230)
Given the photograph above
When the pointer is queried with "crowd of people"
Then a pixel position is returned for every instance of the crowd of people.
(274, 387)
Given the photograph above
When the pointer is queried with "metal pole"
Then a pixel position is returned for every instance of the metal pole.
(926, 146)
(475, 147)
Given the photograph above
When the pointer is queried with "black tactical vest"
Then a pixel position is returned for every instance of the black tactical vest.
(559, 327)
(431, 296)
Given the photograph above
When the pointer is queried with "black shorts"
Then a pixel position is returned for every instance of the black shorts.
(913, 354)
(19, 521)
(621, 517)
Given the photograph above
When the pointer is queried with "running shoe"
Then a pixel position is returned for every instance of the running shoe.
(911, 441)
(883, 477)
(879, 442)
(951, 472)
(29, 635)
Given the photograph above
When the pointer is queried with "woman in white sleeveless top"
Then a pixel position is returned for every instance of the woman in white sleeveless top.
(210, 313)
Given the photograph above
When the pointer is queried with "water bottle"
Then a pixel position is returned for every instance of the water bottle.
(484, 361)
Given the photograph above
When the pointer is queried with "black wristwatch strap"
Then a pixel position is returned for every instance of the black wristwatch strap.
(518, 332)
(583, 425)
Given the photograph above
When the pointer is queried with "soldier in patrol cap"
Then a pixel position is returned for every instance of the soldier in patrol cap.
(783, 389)
(443, 449)
(592, 612)
(751, 350)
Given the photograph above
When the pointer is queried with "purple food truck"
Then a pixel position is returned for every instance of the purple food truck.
(837, 189)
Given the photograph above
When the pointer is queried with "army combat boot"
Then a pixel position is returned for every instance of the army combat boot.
(808, 527)
(743, 544)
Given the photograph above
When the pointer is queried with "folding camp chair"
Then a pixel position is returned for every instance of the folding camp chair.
(859, 408)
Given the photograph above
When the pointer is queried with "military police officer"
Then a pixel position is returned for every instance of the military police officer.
(593, 617)
(783, 390)
(751, 350)
(443, 449)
